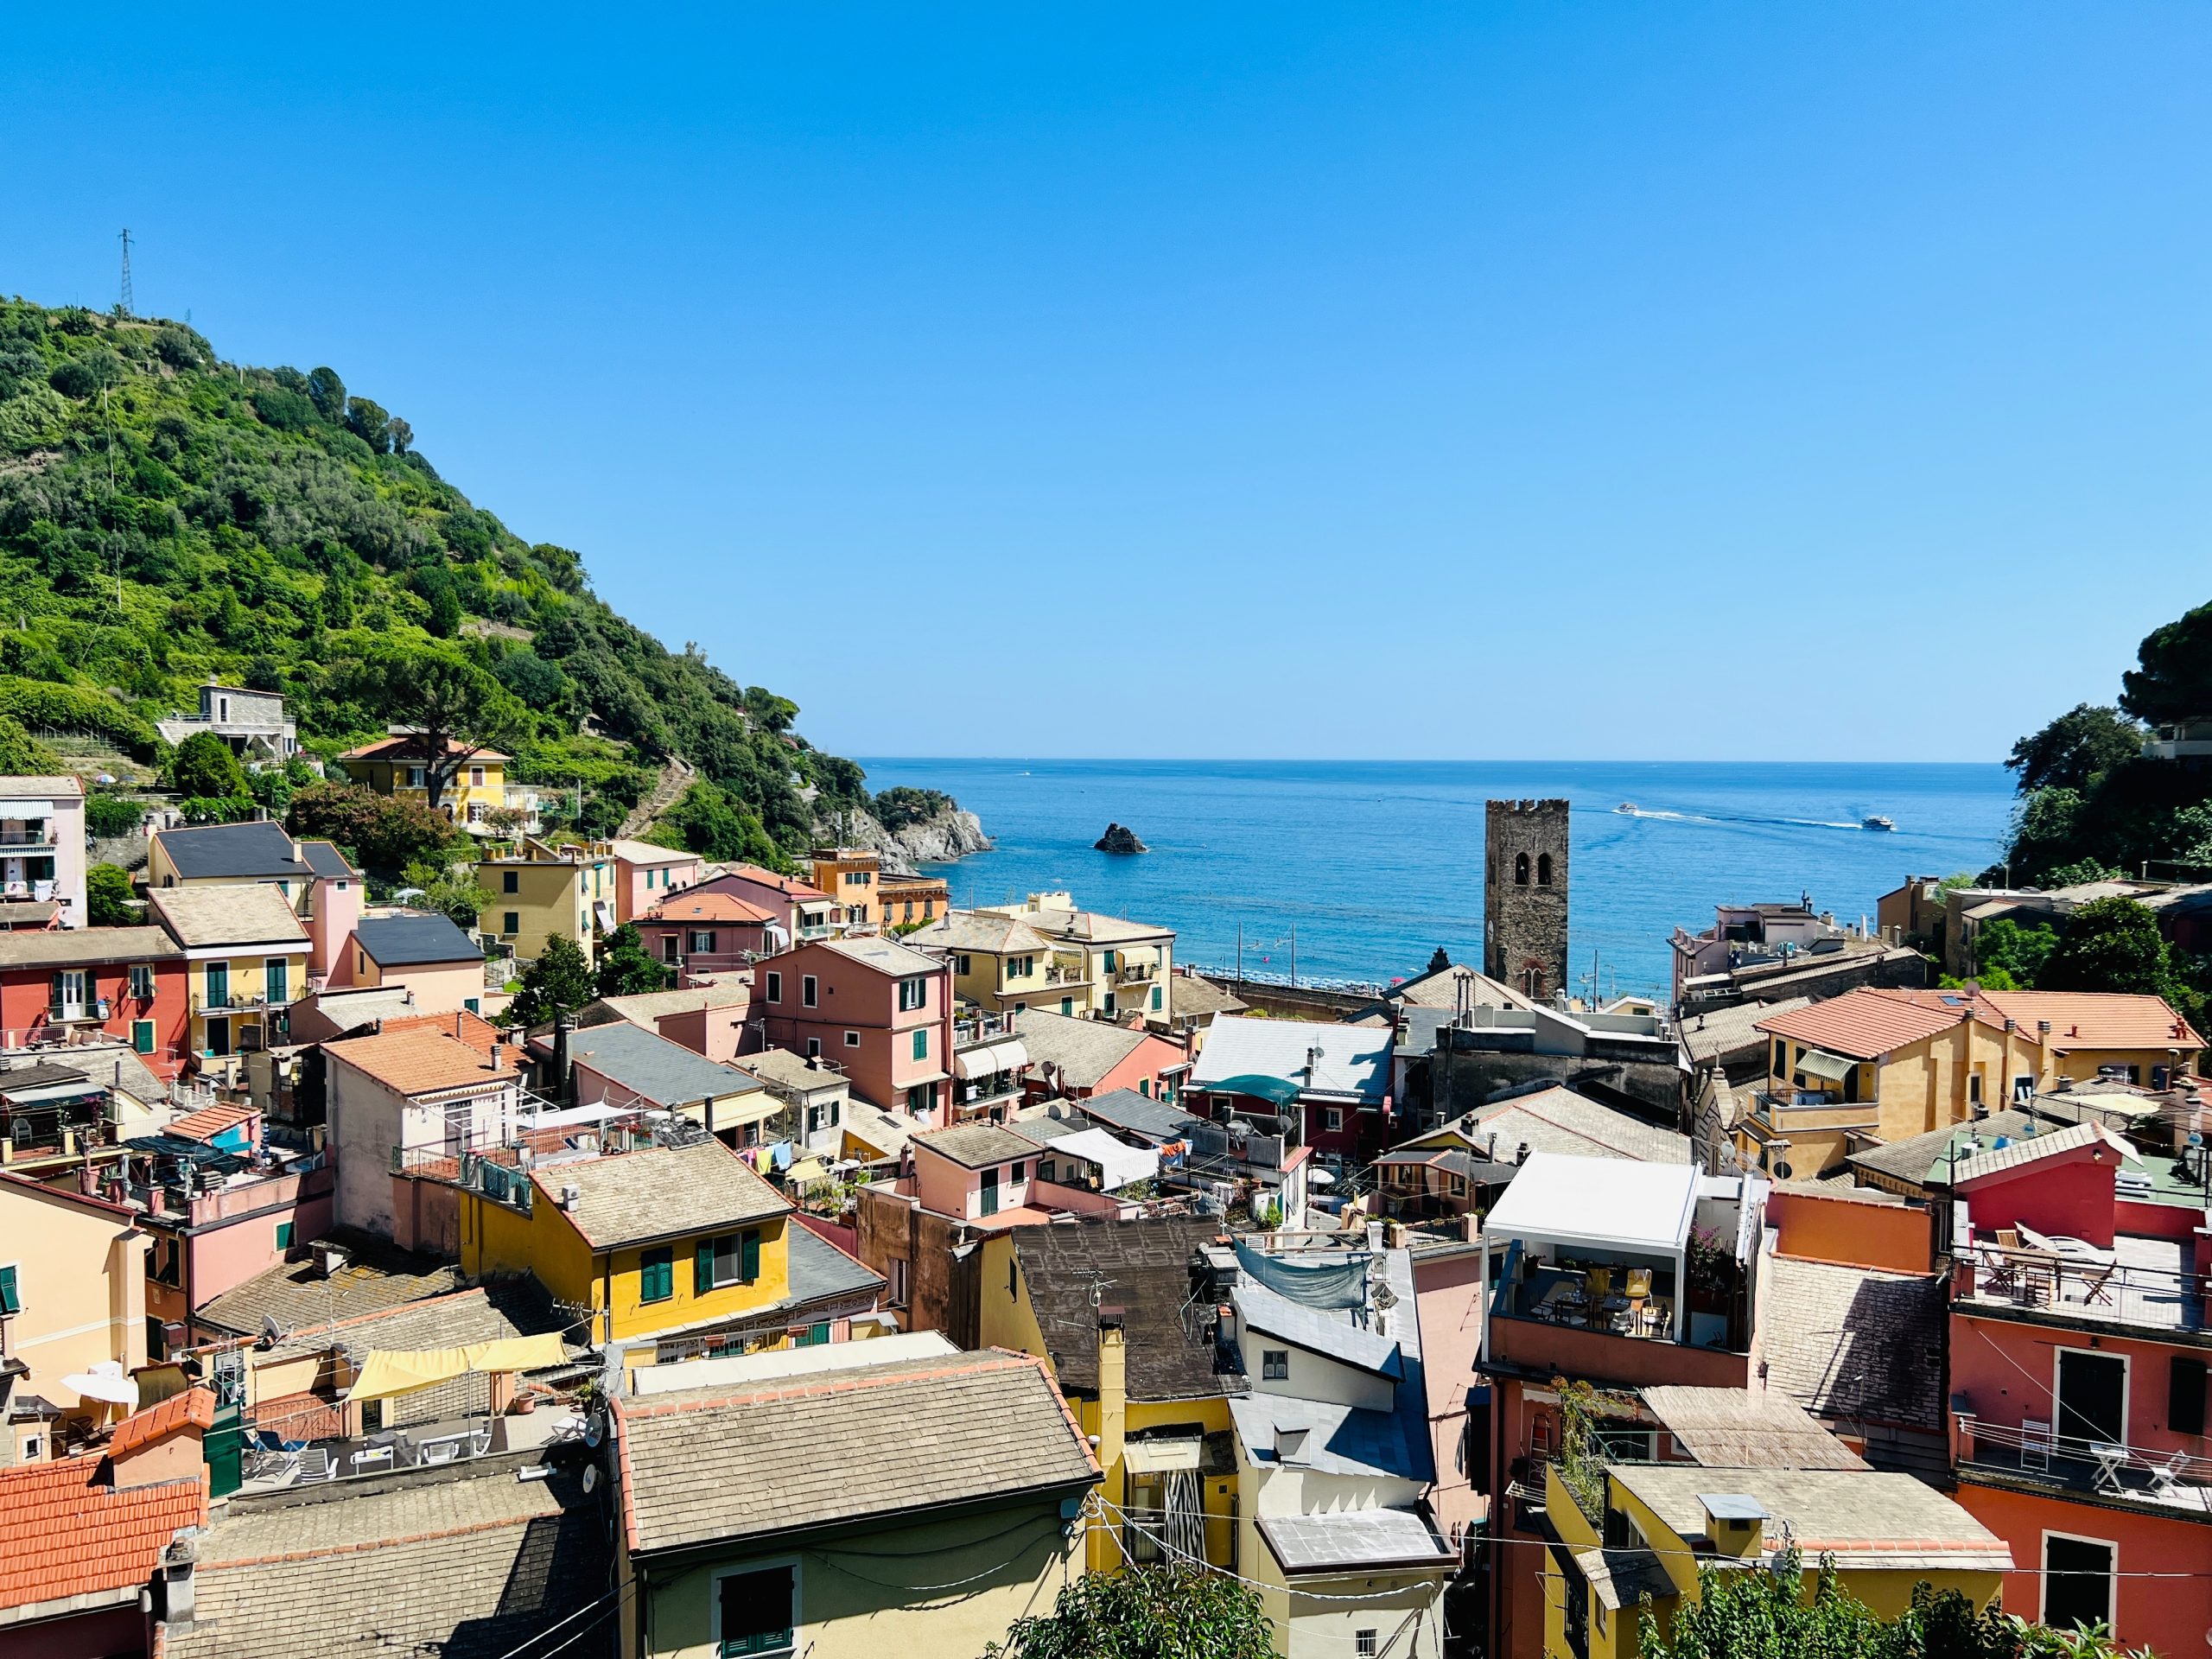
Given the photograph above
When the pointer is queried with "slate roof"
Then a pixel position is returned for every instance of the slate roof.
(86, 947)
(378, 1275)
(1417, 1030)
(1994, 1160)
(975, 1146)
(649, 1065)
(1352, 1539)
(1714, 1035)
(1354, 1060)
(635, 1198)
(250, 913)
(1262, 1310)
(70, 1534)
(1140, 1115)
(979, 929)
(1623, 1577)
(505, 1308)
(236, 852)
(780, 1067)
(1847, 1342)
(1090, 927)
(1868, 1519)
(325, 861)
(1340, 1440)
(414, 941)
(711, 1463)
(1923, 1160)
(1081, 1051)
(884, 955)
(18, 1080)
(1190, 996)
(648, 1007)
(1747, 1428)
(1560, 1120)
(820, 1271)
(1441, 990)
(1144, 1266)
(420, 1060)
(466, 1562)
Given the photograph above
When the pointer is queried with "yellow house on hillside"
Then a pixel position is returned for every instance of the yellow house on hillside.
(245, 962)
(1123, 966)
(478, 789)
(1132, 1369)
(1662, 1522)
(542, 891)
(656, 1242)
(1002, 964)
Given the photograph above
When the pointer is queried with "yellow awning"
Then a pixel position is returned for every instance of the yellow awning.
(389, 1371)
(808, 1170)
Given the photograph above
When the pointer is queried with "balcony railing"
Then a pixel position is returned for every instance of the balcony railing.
(982, 1028)
(26, 837)
(1135, 973)
(238, 1002)
(2170, 1479)
(2130, 1293)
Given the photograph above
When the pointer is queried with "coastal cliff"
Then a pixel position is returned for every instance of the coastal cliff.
(936, 835)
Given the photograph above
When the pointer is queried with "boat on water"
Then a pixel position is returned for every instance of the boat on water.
(1876, 821)
(1628, 808)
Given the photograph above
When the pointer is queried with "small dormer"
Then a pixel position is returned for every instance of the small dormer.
(1290, 1444)
(1734, 1525)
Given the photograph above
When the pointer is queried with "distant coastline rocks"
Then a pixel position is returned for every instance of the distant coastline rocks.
(1120, 839)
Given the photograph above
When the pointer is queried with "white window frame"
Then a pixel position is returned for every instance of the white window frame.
(775, 986)
(852, 1039)
(2043, 1558)
(2126, 1390)
(810, 991)
(799, 1640)
(1268, 1358)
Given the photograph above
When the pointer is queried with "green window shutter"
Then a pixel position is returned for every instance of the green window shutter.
(749, 1257)
(11, 1301)
(1067, 1005)
(921, 1043)
(141, 1036)
(1156, 999)
(283, 1235)
(656, 1275)
(703, 1268)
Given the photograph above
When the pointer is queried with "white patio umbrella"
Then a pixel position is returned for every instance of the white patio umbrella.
(105, 1382)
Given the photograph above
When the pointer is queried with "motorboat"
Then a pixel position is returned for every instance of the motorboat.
(1878, 822)
(1627, 809)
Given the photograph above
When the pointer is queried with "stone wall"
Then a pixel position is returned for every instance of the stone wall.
(1525, 895)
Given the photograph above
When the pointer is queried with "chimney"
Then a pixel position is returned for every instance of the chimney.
(1290, 1445)
(1113, 1387)
(563, 1027)
(1735, 1524)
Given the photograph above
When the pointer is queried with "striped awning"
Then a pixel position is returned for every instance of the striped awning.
(989, 1061)
(1819, 1063)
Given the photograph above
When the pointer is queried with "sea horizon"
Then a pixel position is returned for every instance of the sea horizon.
(1365, 868)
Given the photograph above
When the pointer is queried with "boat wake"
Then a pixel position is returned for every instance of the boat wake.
(1629, 809)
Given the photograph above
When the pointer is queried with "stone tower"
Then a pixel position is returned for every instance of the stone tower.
(1524, 896)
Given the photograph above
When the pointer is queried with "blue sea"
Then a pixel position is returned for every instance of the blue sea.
(1369, 866)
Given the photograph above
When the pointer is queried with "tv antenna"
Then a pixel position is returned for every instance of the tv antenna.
(126, 271)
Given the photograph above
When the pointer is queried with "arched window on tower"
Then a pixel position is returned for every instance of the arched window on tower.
(1543, 869)
(1520, 869)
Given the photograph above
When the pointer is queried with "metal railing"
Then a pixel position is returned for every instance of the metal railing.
(238, 1002)
(28, 838)
(1135, 973)
(983, 1028)
(2038, 1279)
(2080, 1461)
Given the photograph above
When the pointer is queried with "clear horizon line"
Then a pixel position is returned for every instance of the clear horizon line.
(1440, 759)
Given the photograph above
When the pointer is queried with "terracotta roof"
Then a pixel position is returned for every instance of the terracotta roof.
(789, 885)
(194, 1409)
(209, 1121)
(707, 907)
(71, 1534)
(1865, 1025)
(474, 1029)
(414, 746)
(420, 1062)
(2093, 1020)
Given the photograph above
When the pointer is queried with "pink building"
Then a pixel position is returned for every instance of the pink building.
(880, 1011)
(644, 874)
(330, 906)
(709, 932)
(708, 1019)
(435, 963)
(2079, 1343)
(804, 913)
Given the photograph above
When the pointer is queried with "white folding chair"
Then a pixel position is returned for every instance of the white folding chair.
(315, 1464)
(2166, 1476)
(370, 1458)
(440, 1451)
(2037, 1444)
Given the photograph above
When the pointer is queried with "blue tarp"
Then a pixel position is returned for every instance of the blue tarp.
(1311, 1284)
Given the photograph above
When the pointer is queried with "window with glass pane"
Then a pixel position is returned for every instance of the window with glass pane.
(142, 981)
(754, 1613)
(912, 994)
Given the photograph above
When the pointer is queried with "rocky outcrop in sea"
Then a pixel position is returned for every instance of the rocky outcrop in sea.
(1119, 838)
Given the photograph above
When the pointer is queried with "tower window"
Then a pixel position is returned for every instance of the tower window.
(1543, 869)
(1520, 869)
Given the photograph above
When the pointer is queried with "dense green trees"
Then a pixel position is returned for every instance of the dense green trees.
(2075, 750)
(383, 833)
(1147, 1612)
(271, 527)
(107, 896)
(2114, 944)
(203, 764)
(624, 969)
(559, 982)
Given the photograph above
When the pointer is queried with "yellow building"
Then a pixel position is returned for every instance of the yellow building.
(1002, 964)
(542, 891)
(245, 962)
(476, 794)
(1132, 1369)
(73, 1295)
(1662, 1522)
(837, 1505)
(849, 874)
(1122, 967)
(659, 1243)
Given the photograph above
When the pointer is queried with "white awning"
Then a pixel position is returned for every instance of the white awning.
(1162, 1456)
(1818, 1063)
(989, 1061)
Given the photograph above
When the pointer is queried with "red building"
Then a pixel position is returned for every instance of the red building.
(2079, 1345)
(126, 982)
(881, 1012)
(1323, 1086)
(707, 933)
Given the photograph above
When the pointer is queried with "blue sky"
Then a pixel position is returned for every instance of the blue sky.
(1558, 381)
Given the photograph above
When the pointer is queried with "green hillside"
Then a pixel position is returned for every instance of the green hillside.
(165, 515)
